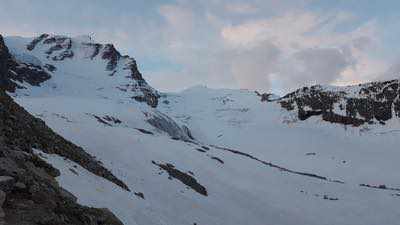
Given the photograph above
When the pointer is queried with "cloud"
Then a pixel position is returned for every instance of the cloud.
(311, 50)
(293, 49)
(393, 72)
(241, 8)
(314, 66)
(251, 68)
(177, 17)
(282, 30)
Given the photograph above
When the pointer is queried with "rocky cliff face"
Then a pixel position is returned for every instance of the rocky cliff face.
(14, 72)
(375, 102)
(29, 193)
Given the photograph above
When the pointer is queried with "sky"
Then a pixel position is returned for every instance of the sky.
(265, 45)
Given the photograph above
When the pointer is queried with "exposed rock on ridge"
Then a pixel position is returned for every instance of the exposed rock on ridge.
(354, 105)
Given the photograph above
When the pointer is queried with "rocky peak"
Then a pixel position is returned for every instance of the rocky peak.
(112, 55)
(267, 97)
(132, 66)
(149, 95)
(58, 47)
(375, 102)
(35, 41)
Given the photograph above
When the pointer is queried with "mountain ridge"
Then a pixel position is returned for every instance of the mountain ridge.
(351, 105)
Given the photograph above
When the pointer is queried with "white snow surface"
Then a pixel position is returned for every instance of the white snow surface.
(241, 190)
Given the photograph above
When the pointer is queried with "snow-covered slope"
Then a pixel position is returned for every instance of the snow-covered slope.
(207, 156)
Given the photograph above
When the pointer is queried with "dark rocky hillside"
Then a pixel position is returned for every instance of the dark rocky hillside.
(29, 193)
(374, 102)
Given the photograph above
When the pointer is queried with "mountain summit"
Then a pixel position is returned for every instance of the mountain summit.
(89, 67)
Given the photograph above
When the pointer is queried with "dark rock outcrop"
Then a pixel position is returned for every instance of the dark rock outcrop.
(35, 41)
(183, 177)
(5, 61)
(32, 74)
(112, 55)
(266, 97)
(30, 195)
(217, 159)
(13, 71)
(59, 46)
(144, 131)
(107, 120)
(149, 95)
(50, 67)
(109, 53)
(272, 165)
(381, 186)
(63, 55)
(371, 102)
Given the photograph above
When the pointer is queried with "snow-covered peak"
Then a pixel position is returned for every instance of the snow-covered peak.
(84, 38)
(80, 66)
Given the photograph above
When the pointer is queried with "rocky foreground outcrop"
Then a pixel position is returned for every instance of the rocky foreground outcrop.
(375, 102)
(29, 193)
